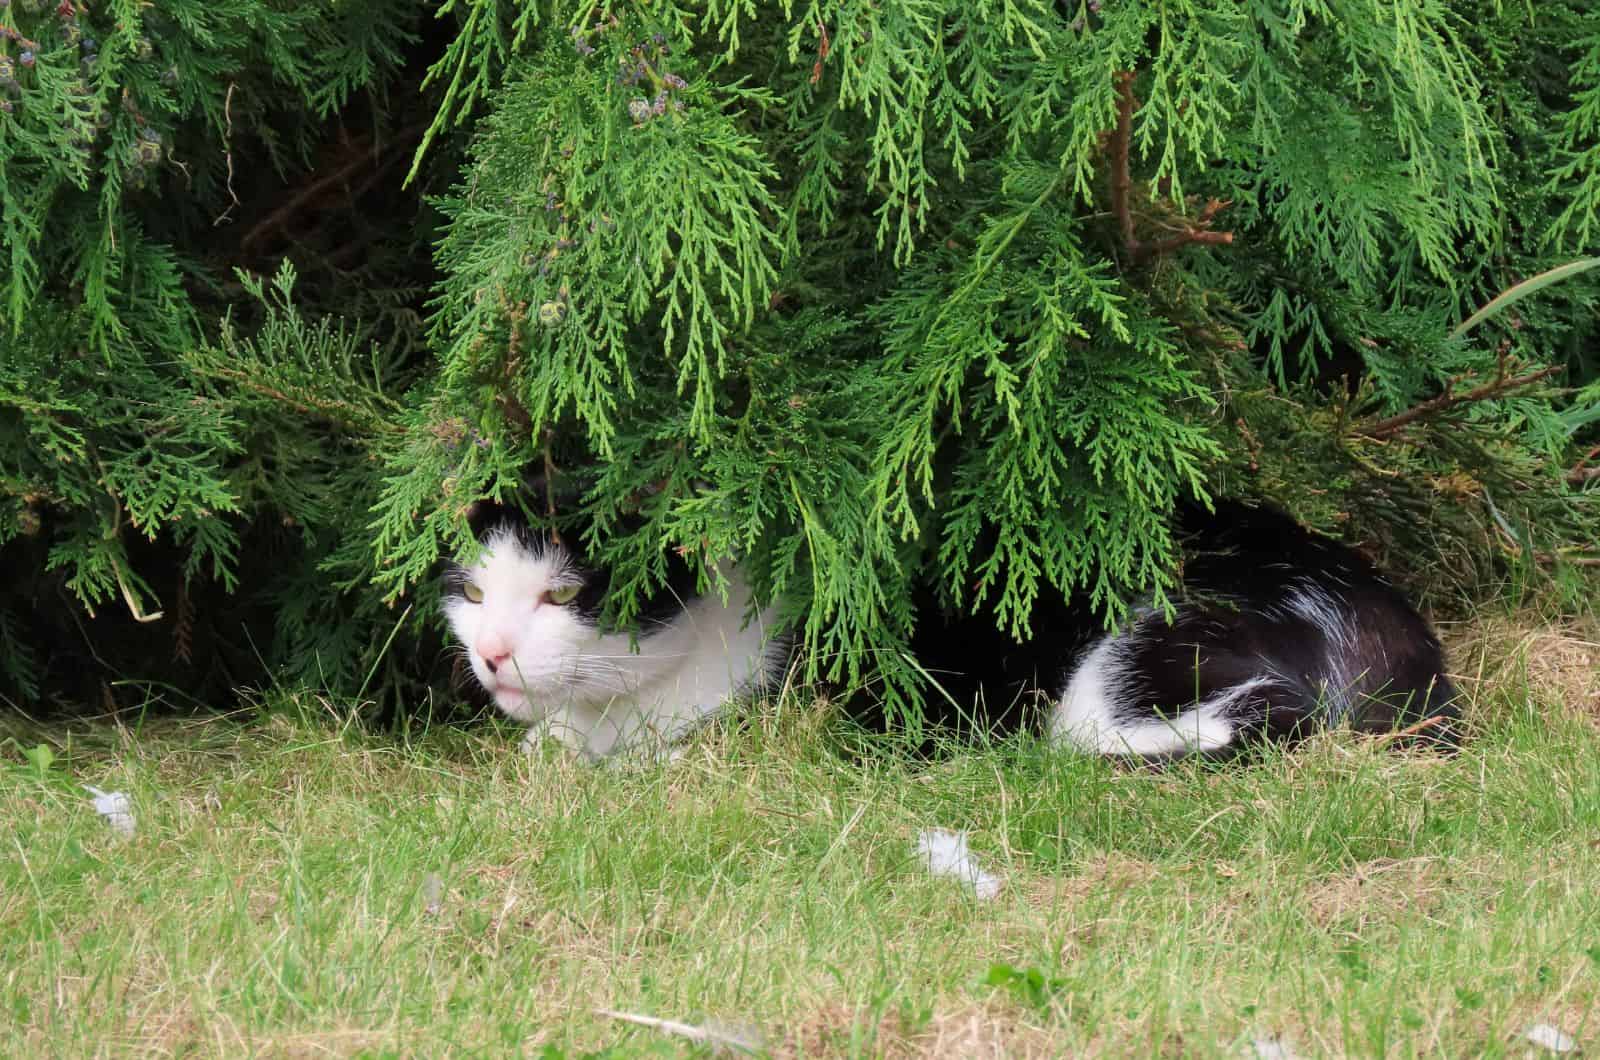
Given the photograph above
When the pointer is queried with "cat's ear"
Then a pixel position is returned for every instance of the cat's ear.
(538, 498)
(486, 514)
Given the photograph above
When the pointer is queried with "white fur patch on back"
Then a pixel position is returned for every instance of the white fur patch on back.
(1315, 606)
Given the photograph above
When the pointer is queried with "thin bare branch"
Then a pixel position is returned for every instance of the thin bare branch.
(1392, 425)
(1581, 473)
(1121, 137)
(1119, 145)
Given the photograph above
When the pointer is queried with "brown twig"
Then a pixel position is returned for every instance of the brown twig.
(823, 48)
(1119, 143)
(1385, 428)
(22, 42)
(1574, 558)
(1211, 209)
(516, 315)
(1190, 235)
(1411, 730)
(550, 486)
(1121, 137)
(279, 218)
(1581, 474)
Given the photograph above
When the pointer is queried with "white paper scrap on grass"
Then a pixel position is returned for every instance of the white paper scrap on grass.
(115, 807)
(432, 893)
(1268, 1047)
(1551, 1038)
(946, 854)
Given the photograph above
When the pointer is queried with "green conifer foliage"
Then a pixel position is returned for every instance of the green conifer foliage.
(119, 124)
(870, 294)
(993, 286)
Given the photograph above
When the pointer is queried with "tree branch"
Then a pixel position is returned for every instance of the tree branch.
(1121, 182)
(280, 217)
(1119, 143)
(1581, 474)
(1191, 235)
(1385, 428)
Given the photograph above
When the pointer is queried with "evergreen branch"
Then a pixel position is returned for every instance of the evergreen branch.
(1391, 425)
(350, 418)
(460, 51)
(1003, 405)
(1119, 144)
(482, 45)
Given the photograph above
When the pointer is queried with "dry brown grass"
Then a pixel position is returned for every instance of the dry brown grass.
(1383, 889)
(1109, 871)
(988, 1030)
(984, 1032)
(1558, 661)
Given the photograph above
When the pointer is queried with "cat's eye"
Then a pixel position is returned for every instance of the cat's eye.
(564, 595)
(473, 594)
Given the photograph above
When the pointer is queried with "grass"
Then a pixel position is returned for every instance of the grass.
(300, 887)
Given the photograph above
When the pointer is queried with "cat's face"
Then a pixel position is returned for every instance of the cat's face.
(526, 615)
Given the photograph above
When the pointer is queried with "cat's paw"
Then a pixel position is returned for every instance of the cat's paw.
(531, 741)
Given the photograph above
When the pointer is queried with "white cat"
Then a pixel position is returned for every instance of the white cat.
(528, 614)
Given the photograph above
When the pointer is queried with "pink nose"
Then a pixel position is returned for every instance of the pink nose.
(495, 652)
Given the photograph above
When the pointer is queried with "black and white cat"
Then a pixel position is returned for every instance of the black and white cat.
(1276, 631)
(528, 616)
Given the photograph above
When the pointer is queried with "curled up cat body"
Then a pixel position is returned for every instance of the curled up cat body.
(1275, 632)
(527, 614)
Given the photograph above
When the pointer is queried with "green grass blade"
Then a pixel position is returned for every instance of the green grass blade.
(1518, 292)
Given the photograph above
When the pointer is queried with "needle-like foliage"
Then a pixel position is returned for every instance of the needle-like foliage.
(876, 297)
